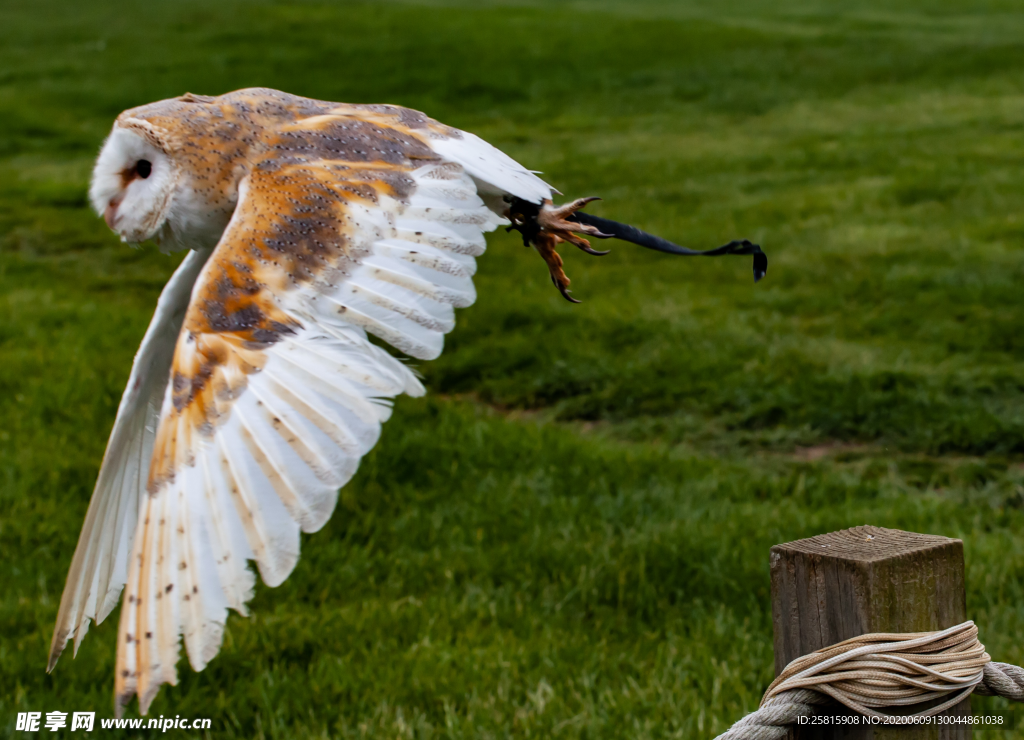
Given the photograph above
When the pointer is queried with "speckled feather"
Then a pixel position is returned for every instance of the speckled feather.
(341, 220)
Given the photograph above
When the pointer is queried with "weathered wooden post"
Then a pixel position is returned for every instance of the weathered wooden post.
(835, 586)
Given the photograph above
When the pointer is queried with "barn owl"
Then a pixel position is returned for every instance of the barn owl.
(310, 225)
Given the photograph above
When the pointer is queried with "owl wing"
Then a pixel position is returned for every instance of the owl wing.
(100, 562)
(275, 390)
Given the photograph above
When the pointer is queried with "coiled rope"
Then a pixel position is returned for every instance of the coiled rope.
(882, 670)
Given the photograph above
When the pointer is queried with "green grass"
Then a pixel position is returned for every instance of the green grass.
(568, 537)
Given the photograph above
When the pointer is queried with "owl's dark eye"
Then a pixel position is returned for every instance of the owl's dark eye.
(143, 168)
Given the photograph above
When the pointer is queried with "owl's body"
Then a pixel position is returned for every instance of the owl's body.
(256, 390)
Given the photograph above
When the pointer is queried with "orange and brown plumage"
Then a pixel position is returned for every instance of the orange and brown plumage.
(256, 390)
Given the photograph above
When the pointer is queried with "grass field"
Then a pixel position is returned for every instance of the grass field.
(568, 537)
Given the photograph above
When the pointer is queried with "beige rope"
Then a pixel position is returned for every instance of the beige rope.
(889, 670)
(882, 670)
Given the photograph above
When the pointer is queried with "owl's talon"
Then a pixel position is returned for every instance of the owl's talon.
(565, 294)
(545, 244)
(544, 225)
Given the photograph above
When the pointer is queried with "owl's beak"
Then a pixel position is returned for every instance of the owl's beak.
(110, 212)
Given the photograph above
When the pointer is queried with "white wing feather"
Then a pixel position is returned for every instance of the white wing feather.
(495, 172)
(100, 563)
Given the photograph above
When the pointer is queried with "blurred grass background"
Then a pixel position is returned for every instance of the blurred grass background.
(568, 537)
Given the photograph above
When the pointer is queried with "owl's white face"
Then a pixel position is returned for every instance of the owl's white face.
(133, 183)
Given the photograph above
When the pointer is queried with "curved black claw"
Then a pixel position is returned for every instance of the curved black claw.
(595, 252)
(564, 291)
(566, 296)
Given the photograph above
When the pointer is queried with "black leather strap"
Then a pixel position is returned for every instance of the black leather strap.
(632, 234)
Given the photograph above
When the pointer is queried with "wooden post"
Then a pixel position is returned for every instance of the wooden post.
(835, 586)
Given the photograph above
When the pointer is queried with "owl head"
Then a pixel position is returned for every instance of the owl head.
(134, 180)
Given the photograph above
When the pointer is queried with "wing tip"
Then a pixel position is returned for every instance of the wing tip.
(61, 638)
(147, 696)
(152, 679)
(51, 663)
(121, 701)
